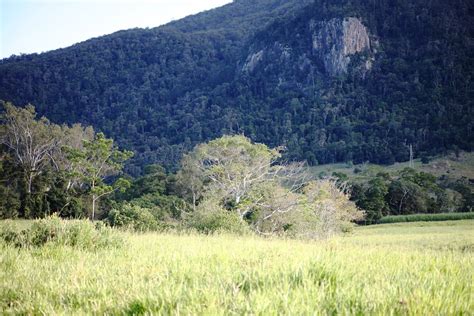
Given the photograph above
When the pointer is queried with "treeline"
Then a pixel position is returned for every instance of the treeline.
(410, 192)
(229, 184)
(47, 168)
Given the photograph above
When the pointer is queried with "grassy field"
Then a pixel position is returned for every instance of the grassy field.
(393, 269)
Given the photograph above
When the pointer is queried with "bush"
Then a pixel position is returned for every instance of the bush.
(10, 234)
(215, 222)
(328, 211)
(53, 230)
(426, 218)
(133, 217)
(209, 218)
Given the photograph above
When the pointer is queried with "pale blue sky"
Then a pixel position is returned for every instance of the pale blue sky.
(34, 26)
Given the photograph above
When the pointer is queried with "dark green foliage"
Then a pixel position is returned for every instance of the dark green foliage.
(9, 203)
(411, 192)
(217, 221)
(373, 201)
(154, 180)
(161, 91)
(465, 188)
(426, 218)
(425, 160)
(406, 198)
(52, 230)
(9, 197)
(133, 217)
(149, 203)
(137, 308)
(49, 196)
(163, 207)
(155, 191)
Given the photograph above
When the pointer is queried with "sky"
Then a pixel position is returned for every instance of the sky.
(34, 26)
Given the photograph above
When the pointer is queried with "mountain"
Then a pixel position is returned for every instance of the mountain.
(333, 80)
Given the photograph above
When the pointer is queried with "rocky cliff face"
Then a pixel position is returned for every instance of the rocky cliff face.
(333, 44)
(252, 61)
(336, 40)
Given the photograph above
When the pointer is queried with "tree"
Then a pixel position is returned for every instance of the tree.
(98, 160)
(374, 200)
(406, 197)
(73, 139)
(248, 180)
(233, 168)
(157, 191)
(276, 209)
(327, 209)
(190, 180)
(30, 142)
(9, 197)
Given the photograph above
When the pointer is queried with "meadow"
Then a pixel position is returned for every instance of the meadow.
(393, 269)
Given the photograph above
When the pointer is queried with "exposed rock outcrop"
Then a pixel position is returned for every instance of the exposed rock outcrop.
(252, 61)
(336, 40)
(334, 44)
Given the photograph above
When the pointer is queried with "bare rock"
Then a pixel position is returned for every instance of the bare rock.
(252, 61)
(336, 40)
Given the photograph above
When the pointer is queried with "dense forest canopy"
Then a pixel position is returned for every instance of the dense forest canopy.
(279, 72)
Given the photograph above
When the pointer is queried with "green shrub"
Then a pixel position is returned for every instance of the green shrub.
(216, 221)
(88, 235)
(133, 217)
(46, 230)
(10, 234)
(426, 218)
(53, 230)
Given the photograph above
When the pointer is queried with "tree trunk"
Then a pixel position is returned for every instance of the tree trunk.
(194, 201)
(405, 193)
(29, 182)
(93, 206)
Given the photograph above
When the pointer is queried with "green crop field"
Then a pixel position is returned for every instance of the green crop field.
(393, 269)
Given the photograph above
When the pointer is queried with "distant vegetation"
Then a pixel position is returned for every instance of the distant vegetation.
(48, 168)
(410, 192)
(228, 184)
(443, 184)
(426, 218)
(162, 91)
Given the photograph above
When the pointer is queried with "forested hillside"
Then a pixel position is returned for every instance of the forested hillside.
(333, 80)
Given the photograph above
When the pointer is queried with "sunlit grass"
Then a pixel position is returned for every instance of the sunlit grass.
(414, 268)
